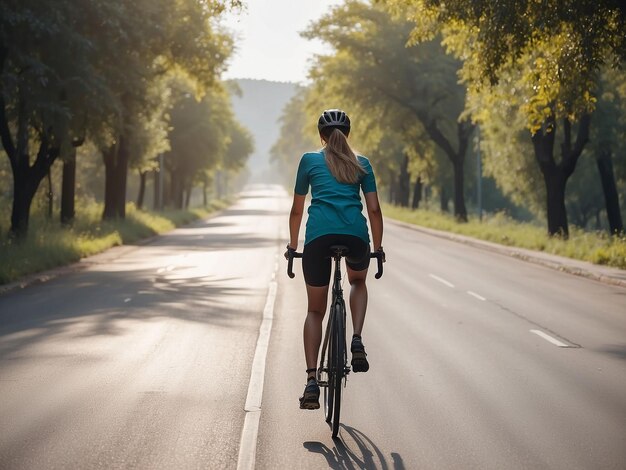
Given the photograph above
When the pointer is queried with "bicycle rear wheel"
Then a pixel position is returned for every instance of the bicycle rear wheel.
(337, 357)
(327, 363)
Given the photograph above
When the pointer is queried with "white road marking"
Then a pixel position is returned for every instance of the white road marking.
(443, 281)
(474, 294)
(550, 339)
(127, 300)
(250, 431)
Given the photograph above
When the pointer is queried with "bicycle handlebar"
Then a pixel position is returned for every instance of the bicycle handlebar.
(294, 254)
(379, 256)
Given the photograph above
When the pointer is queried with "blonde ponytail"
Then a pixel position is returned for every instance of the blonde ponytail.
(341, 159)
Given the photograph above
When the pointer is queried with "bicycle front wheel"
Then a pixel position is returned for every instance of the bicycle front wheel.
(338, 363)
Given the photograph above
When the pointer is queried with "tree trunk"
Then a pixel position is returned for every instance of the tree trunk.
(417, 192)
(188, 196)
(116, 171)
(26, 180)
(555, 199)
(460, 211)
(143, 175)
(456, 157)
(443, 200)
(24, 190)
(604, 161)
(157, 190)
(555, 175)
(404, 183)
(391, 194)
(50, 196)
(176, 190)
(68, 189)
(109, 157)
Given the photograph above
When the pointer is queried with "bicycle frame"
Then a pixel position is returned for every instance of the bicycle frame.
(337, 298)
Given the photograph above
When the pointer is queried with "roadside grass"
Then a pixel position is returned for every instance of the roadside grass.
(595, 247)
(49, 245)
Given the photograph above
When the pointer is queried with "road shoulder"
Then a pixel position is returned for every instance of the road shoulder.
(605, 274)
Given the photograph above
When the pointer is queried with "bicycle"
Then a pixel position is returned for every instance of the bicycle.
(333, 370)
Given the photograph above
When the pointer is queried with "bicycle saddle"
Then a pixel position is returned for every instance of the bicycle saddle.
(340, 250)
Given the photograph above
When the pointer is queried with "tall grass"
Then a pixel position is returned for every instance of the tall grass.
(49, 245)
(595, 247)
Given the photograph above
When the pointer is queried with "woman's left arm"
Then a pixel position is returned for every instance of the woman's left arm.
(295, 219)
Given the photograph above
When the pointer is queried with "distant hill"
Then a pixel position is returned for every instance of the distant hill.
(258, 108)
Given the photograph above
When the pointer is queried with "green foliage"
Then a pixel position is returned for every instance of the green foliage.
(99, 72)
(561, 44)
(507, 152)
(530, 64)
(298, 134)
(204, 136)
(239, 146)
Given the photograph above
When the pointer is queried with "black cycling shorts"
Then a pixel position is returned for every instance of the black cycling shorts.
(317, 257)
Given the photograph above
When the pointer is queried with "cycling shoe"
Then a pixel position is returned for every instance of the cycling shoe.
(310, 400)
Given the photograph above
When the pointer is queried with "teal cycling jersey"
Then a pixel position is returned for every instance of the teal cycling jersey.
(336, 207)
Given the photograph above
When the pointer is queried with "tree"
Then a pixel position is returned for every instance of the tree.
(204, 136)
(608, 138)
(297, 135)
(556, 48)
(46, 77)
(413, 86)
(188, 42)
(77, 70)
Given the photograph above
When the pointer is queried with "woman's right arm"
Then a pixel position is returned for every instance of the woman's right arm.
(375, 216)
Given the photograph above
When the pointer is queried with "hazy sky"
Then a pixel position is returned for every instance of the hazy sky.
(269, 45)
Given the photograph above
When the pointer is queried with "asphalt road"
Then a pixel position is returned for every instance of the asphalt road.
(144, 360)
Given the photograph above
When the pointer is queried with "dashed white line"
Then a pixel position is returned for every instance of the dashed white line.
(443, 281)
(478, 296)
(550, 339)
(250, 431)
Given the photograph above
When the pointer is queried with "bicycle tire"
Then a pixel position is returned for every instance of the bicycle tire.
(338, 359)
(329, 390)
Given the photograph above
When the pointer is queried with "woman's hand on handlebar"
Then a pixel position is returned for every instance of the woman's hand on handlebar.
(290, 251)
(290, 254)
(381, 253)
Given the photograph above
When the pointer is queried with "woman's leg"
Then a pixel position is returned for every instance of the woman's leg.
(318, 297)
(358, 298)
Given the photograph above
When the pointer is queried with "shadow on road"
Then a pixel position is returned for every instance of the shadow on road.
(354, 450)
(194, 240)
(615, 350)
(255, 212)
(99, 302)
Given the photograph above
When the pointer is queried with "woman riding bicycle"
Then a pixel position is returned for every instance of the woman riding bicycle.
(336, 176)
